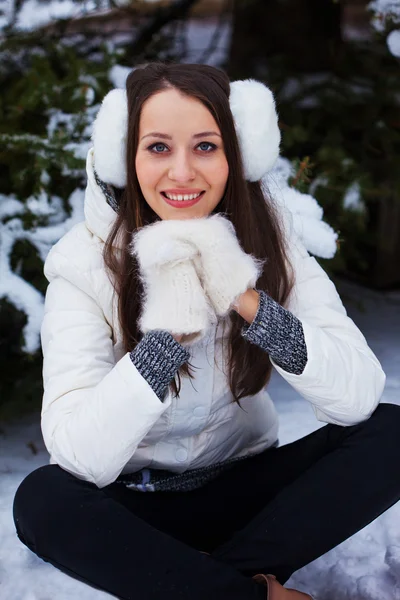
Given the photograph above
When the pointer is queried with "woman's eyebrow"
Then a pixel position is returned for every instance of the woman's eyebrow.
(206, 134)
(164, 136)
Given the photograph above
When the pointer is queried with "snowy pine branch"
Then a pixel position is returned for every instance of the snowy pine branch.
(386, 15)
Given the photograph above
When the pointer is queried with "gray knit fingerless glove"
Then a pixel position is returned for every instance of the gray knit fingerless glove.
(278, 332)
(157, 357)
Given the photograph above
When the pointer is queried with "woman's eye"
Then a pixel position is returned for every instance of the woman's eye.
(157, 148)
(206, 146)
(160, 148)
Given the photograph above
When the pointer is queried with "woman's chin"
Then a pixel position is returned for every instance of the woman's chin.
(181, 215)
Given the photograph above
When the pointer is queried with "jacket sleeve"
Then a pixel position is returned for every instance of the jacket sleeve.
(342, 379)
(95, 410)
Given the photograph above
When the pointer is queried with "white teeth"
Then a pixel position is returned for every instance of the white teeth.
(181, 197)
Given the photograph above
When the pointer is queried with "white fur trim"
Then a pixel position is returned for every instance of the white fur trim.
(256, 122)
(109, 138)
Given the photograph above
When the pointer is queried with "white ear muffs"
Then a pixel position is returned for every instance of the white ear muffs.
(109, 138)
(256, 123)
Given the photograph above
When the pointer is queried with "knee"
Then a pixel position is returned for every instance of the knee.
(385, 422)
(37, 498)
(387, 414)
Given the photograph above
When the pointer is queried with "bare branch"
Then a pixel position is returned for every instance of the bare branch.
(163, 16)
(207, 52)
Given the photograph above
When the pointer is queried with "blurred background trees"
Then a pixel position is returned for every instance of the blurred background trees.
(334, 67)
(338, 90)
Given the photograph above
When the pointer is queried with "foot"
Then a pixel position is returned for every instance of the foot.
(276, 591)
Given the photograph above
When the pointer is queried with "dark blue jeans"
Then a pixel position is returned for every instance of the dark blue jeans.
(272, 513)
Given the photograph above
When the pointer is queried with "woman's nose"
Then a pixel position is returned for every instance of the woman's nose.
(181, 168)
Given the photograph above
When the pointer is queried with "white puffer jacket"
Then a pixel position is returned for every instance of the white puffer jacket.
(100, 417)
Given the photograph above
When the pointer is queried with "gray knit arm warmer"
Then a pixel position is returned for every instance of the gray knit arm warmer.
(278, 332)
(158, 357)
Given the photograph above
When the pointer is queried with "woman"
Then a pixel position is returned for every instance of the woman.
(183, 265)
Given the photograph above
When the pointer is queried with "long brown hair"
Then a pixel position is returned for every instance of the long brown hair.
(255, 218)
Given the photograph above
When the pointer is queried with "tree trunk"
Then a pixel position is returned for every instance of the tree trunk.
(307, 33)
(387, 268)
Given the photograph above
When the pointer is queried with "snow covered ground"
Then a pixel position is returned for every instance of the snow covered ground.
(365, 567)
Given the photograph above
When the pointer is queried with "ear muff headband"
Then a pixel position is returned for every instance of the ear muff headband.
(254, 114)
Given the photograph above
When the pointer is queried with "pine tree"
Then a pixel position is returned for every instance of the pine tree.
(50, 96)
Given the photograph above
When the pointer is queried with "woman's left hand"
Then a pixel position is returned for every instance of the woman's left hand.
(224, 269)
(247, 304)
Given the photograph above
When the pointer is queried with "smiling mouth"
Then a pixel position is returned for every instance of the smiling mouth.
(182, 197)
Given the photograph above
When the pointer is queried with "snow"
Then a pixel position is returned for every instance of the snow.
(384, 11)
(393, 42)
(18, 291)
(13, 287)
(199, 36)
(302, 210)
(118, 74)
(34, 14)
(365, 567)
(47, 208)
(352, 199)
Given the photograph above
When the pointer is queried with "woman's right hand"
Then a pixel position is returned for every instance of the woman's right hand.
(174, 299)
(184, 337)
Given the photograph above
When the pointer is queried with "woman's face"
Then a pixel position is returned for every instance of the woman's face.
(180, 155)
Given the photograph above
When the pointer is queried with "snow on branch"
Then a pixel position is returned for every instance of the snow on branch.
(24, 296)
(385, 14)
(300, 211)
